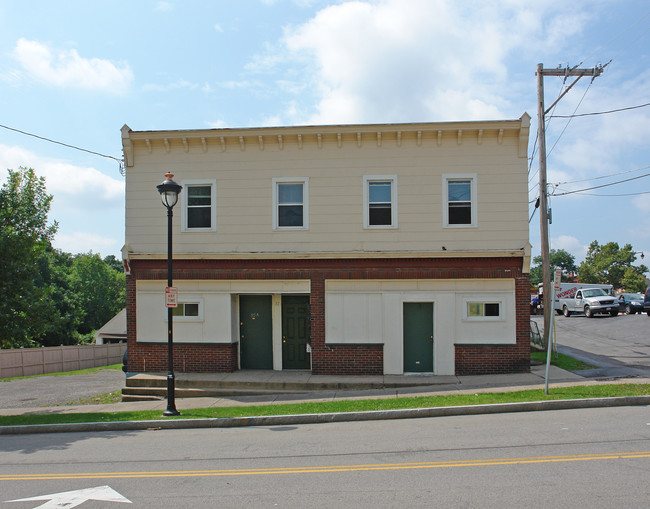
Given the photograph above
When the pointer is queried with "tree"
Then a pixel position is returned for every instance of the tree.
(114, 263)
(55, 267)
(24, 235)
(559, 258)
(612, 265)
(98, 290)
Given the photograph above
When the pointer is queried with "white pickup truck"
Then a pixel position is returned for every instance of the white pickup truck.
(590, 301)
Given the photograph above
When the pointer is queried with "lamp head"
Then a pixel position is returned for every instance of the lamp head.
(169, 191)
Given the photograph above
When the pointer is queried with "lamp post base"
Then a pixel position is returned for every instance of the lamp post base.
(171, 400)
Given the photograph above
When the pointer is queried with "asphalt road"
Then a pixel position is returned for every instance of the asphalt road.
(618, 345)
(593, 458)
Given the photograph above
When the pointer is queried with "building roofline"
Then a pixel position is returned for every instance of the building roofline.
(357, 133)
(523, 121)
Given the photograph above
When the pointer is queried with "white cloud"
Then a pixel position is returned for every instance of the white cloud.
(571, 245)
(414, 60)
(232, 85)
(176, 85)
(86, 201)
(163, 6)
(78, 242)
(299, 3)
(66, 69)
(74, 187)
(217, 124)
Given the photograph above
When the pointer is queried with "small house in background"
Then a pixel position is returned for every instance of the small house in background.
(341, 250)
(114, 331)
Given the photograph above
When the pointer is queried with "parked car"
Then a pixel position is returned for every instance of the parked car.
(646, 302)
(590, 301)
(631, 303)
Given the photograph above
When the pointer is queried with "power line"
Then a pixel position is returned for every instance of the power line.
(120, 161)
(615, 195)
(603, 177)
(604, 185)
(618, 36)
(601, 112)
(570, 118)
(532, 154)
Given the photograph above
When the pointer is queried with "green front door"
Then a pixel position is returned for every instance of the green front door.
(295, 331)
(418, 337)
(256, 332)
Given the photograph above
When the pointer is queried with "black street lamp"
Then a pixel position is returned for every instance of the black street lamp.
(169, 191)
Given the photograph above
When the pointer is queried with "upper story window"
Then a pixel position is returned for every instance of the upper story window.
(459, 203)
(199, 212)
(290, 204)
(380, 201)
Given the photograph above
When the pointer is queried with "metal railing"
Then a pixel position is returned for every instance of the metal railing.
(535, 335)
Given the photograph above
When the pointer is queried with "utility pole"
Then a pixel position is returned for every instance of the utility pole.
(549, 292)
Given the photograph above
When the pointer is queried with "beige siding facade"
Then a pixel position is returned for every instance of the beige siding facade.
(243, 164)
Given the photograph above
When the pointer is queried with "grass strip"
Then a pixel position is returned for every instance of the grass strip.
(574, 392)
(561, 361)
(104, 398)
(114, 367)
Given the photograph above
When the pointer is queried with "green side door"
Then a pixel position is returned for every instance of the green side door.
(256, 332)
(295, 332)
(418, 337)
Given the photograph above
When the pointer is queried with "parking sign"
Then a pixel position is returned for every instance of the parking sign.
(171, 297)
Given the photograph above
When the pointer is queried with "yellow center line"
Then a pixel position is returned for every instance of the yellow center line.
(325, 469)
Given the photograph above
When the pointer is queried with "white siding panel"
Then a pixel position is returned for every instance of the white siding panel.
(219, 308)
(353, 318)
(378, 306)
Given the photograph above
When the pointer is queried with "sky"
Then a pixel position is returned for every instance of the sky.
(75, 72)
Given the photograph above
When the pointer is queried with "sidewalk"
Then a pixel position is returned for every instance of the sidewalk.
(399, 386)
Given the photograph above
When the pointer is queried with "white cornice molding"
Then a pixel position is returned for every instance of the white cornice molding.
(416, 133)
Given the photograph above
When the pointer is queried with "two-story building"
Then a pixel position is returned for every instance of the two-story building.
(349, 249)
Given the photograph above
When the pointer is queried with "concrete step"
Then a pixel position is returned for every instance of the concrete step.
(139, 397)
(268, 386)
(269, 383)
(181, 392)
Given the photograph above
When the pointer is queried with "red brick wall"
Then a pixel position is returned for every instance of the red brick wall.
(492, 359)
(348, 360)
(331, 359)
(188, 357)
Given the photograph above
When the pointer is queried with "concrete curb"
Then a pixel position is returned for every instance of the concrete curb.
(279, 420)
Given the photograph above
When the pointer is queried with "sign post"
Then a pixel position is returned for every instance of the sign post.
(557, 280)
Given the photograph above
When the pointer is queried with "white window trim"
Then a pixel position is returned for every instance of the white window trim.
(480, 300)
(213, 204)
(189, 299)
(305, 202)
(367, 179)
(446, 178)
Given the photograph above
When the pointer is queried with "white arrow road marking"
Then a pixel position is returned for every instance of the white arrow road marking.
(69, 499)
